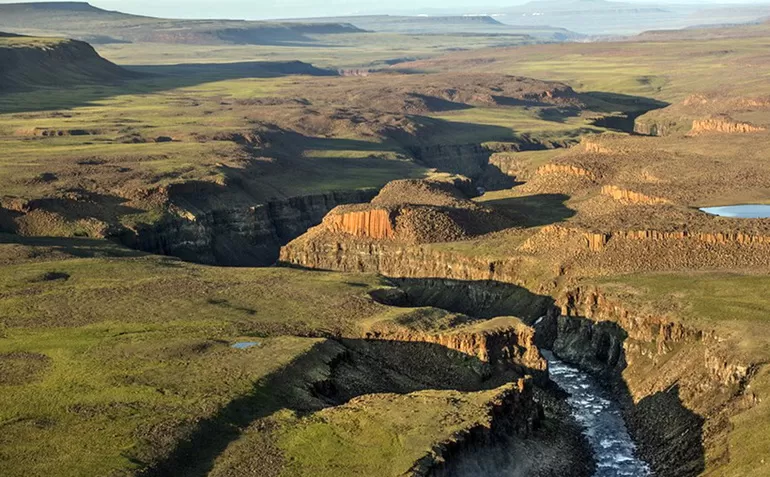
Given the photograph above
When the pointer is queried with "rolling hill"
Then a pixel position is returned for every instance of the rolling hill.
(29, 62)
(442, 24)
(85, 22)
(602, 17)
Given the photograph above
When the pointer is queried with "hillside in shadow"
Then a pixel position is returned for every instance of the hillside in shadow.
(87, 88)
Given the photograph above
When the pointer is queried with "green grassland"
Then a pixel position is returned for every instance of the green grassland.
(339, 51)
(253, 126)
(735, 303)
(668, 70)
(544, 124)
(28, 41)
(111, 140)
(385, 439)
(110, 358)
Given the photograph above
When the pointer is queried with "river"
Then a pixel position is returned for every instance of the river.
(601, 419)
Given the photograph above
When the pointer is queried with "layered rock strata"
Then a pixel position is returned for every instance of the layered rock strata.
(679, 384)
(239, 236)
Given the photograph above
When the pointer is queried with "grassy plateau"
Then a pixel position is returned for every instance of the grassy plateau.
(220, 136)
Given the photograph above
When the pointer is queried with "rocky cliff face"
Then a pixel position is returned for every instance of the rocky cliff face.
(513, 412)
(393, 260)
(328, 251)
(239, 236)
(504, 343)
(567, 169)
(702, 114)
(596, 241)
(373, 223)
(679, 384)
(468, 160)
(630, 197)
(723, 125)
(655, 127)
(476, 160)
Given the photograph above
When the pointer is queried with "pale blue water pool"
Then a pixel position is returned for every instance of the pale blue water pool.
(246, 344)
(746, 211)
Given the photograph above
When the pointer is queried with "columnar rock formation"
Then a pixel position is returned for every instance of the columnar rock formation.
(631, 197)
(414, 211)
(596, 241)
(679, 383)
(723, 125)
(568, 169)
(373, 223)
(595, 147)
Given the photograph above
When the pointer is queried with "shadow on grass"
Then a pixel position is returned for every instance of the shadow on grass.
(8, 221)
(605, 102)
(189, 74)
(622, 109)
(558, 115)
(457, 147)
(330, 374)
(148, 79)
(73, 247)
(534, 210)
(88, 205)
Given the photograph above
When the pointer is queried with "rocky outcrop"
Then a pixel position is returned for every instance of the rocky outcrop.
(724, 238)
(373, 223)
(567, 169)
(679, 383)
(394, 260)
(723, 124)
(503, 342)
(595, 147)
(630, 197)
(415, 211)
(475, 160)
(655, 127)
(596, 241)
(468, 160)
(550, 234)
(238, 236)
(361, 72)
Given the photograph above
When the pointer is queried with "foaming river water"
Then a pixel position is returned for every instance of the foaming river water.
(601, 420)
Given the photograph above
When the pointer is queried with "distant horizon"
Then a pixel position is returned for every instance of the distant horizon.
(287, 9)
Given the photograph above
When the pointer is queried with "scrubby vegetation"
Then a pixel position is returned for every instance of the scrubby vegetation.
(570, 201)
(121, 358)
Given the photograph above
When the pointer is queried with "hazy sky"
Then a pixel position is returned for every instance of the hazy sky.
(260, 9)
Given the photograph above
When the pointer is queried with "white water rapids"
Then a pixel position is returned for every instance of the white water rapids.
(601, 419)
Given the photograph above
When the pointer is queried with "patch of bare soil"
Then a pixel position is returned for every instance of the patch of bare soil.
(22, 367)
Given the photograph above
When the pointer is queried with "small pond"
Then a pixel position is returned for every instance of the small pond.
(746, 211)
(246, 344)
